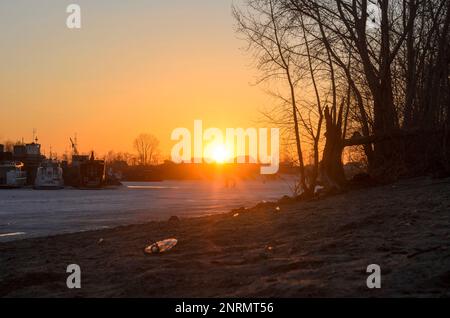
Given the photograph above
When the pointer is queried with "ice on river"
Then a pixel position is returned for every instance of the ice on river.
(30, 213)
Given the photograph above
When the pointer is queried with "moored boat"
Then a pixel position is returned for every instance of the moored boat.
(49, 176)
(11, 175)
(92, 173)
(31, 157)
(84, 172)
(11, 171)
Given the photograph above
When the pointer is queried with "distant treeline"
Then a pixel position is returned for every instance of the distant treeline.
(171, 171)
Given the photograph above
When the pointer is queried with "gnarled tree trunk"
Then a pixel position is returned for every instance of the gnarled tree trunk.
(332, 168)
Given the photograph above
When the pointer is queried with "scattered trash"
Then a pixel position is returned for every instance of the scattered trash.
(161, 246)
(278, 209)
(236, 215)
(101, 241)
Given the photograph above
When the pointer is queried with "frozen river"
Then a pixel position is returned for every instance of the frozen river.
(30, 213)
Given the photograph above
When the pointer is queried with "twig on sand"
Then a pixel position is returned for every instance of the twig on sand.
(428, 250)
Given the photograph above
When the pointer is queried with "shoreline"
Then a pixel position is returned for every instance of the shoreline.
(45, 213)
(317, 248)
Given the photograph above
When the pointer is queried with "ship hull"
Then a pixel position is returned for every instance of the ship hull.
(87, 174)
(49, 176)
(48, 187)
(9, 187)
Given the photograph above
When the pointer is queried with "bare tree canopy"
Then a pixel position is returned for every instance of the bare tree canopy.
(377, 70)
(147, 147)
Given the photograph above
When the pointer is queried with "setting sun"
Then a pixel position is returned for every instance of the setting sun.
(219, 153)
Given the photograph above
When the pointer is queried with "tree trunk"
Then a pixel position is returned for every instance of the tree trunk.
(332, 167)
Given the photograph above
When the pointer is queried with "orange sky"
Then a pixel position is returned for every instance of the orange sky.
(135, 66)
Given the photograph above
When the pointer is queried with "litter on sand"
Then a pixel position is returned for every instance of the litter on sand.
(161, 246)
(278, 209)
(236, 215)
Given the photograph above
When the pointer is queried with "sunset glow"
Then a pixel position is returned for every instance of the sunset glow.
(198, 154)
(219, 153)
(134, 67)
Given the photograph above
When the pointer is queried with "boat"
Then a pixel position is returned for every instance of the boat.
(92, 173)
(49, 176)
(31, 157)
(84, 172)
(11, 171)
(113, 178)
(11, 175)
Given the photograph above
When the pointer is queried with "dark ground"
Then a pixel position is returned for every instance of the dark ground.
(310, 249)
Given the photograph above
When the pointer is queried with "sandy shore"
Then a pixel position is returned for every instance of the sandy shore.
(319, 248)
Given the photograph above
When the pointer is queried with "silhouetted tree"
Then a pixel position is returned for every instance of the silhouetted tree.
(388, 63)
(146, 146)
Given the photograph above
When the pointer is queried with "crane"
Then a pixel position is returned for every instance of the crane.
(74, 146)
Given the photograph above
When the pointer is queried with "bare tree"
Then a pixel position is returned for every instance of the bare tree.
(287, 48)
(147, 147)
(263, 27)
(378, 71)
(398, 73)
